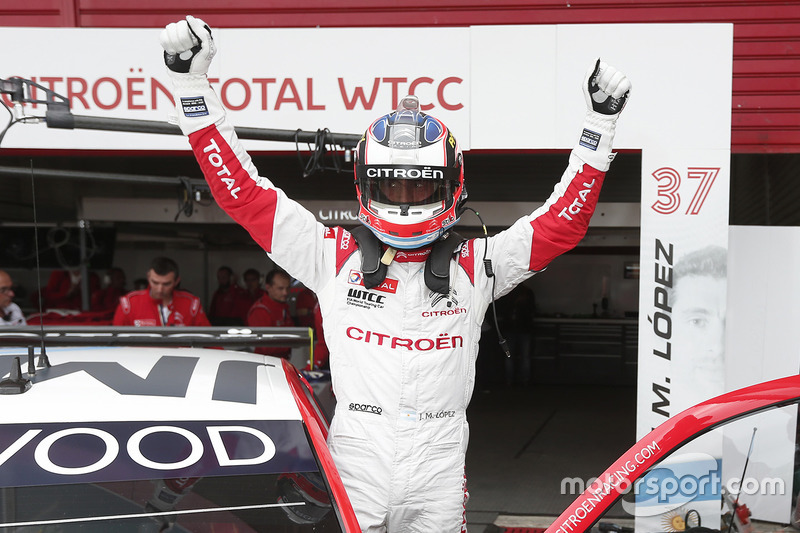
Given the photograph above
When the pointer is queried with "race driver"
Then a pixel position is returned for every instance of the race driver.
(402, 297)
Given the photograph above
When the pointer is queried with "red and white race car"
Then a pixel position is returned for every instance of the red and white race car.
(154, 438)
(726, 464)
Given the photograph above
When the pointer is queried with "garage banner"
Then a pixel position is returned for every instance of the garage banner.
(683, 295)
(684, 241)
(496, 87)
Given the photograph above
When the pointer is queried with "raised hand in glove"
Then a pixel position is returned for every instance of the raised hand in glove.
(606, 89)
(188, 50)
(188, 46)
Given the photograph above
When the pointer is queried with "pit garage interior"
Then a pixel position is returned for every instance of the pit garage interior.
(515, 469)
(169, 212)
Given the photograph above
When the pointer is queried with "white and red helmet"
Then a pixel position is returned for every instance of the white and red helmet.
(409, 177)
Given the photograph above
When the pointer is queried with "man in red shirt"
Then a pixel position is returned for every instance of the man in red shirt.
(230, 303)
(252, 285)
(106, 299)
(321, 352)
(304, 302)
(272, 310)
(63, 290)
(161, 304)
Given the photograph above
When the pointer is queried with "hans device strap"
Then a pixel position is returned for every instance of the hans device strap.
(374, 271)
(437, 266)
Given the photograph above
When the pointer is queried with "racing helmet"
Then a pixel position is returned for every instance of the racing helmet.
(409, 177)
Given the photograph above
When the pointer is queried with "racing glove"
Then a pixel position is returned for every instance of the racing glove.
(606, 91)
(188, 46)
(188, 50)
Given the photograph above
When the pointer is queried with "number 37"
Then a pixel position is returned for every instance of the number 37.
(669, 182)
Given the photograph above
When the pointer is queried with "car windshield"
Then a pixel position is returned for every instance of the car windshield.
(740, 476)
(292, 502)
(185, 475)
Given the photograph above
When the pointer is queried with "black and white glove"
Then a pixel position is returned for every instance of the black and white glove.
(188, 51)
(606, 91)
(188, 46)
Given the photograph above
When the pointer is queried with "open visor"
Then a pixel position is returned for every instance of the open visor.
(408, 184)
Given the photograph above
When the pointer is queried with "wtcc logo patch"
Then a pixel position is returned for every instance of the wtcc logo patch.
(387, 285)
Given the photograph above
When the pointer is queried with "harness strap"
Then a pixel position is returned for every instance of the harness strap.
(371, 267)
(437, 266)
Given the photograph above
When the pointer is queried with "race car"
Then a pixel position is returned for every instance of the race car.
(726, 464)
(97, 434)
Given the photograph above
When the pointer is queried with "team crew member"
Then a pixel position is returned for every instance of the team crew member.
(10, 313)
(230, 302)
(252, 286)
(402, 297)
(272, 310)
(161, 304)
(63, 290)
(107, 299)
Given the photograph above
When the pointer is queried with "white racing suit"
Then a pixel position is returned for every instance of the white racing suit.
(402, 358)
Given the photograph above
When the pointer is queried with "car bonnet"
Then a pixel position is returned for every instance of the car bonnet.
(108, 414)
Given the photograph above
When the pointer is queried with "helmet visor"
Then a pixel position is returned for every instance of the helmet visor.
(409, 185)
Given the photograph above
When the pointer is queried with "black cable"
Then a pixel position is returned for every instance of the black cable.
(11, 121)
(297, 148)
(487, 267)
(185, 205)
(692, 517)
(308, 167)
(59, 247)
(43, 359)
(316, 161)
(744, 471)
(336, 165)
(16, 88)
(198, 199)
